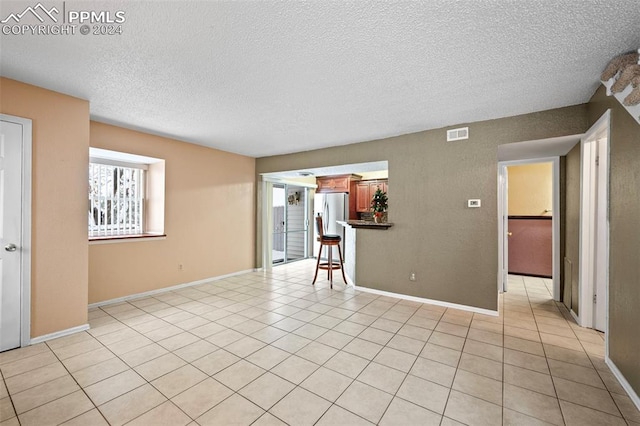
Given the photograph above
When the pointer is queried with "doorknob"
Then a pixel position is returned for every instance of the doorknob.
(509, 233)
(11, 247)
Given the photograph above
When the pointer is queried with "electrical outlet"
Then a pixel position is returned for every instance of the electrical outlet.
(179, 266)
(412, 277)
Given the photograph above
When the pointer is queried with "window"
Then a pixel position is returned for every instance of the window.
(116, 199)
(126, 195)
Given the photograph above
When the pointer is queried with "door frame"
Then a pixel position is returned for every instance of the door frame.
(503, 242)
(503, 210)
(267, 214)
(284, 232)
(25, 234)
(588, 217)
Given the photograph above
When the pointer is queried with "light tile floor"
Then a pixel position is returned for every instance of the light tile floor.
(270, 349)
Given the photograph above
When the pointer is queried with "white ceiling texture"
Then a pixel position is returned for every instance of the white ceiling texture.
(270, 77)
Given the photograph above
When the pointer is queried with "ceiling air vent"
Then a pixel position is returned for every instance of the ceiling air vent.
(458, 134)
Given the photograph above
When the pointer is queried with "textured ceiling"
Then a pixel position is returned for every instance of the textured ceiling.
(264, 78)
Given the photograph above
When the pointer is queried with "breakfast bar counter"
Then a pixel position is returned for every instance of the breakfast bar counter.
(365, 224)
(350, 236)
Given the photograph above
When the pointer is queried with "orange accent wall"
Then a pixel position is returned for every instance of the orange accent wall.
(209, 218)
(530, 189)
(59, 203)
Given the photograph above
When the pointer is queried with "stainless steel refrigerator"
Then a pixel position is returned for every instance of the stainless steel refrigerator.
(332, 207)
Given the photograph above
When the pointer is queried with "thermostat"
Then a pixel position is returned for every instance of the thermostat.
(473, 203)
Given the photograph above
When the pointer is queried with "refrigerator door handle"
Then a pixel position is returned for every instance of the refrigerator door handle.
(325, 216)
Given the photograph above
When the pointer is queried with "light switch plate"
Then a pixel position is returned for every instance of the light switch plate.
(473, 203)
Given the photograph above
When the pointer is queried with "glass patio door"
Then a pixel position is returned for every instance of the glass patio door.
(290, 223)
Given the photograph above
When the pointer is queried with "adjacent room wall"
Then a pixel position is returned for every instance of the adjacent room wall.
(59, 257)
(624, 237)
(530, 189)
(209, 218)
(452, 249)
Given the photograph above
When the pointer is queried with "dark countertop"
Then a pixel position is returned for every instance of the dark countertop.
(364, 224)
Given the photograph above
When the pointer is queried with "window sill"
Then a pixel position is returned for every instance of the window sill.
(111, 239)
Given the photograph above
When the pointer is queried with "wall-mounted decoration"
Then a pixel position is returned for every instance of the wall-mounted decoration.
(294, 199)
(622, 80)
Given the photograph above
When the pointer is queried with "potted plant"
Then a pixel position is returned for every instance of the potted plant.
(379, 205)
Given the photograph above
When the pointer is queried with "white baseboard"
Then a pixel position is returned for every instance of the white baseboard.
(166, 289)
(575, 317)
(429, 301)
(58, 334)
(623, 382)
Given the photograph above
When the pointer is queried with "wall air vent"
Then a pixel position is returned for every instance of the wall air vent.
(458, 134)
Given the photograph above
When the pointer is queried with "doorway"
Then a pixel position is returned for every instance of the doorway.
(15, 231)
(290, 223)
(532, 221)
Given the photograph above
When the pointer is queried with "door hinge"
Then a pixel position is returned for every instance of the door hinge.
(595, 299)
(598, 160)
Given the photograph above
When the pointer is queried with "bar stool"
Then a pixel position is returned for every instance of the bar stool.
(328, 240)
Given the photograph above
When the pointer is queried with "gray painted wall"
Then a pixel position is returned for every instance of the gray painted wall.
(624, 238)
(453, 250)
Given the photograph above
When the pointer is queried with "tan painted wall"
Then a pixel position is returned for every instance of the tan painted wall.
(530, 189)
(59, 203)
(209, 218)
(452, 249)
(572, 228)
(624, 237)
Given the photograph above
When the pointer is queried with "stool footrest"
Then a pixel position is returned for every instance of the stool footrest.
(325, 265)
(329, 264)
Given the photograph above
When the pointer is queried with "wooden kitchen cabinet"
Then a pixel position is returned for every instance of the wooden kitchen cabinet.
(332, 184)
(364, 193)
(363, 200)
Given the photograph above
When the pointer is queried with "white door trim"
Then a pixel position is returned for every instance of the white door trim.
(26, 249)
(503, 207)
(267, 224)
(266, 218)
(503, 242)
(289, 182)
(586, 317)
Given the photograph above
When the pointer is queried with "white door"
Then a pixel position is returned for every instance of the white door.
(10, 234)
(601, 234)
(594, 226)
(503, 200)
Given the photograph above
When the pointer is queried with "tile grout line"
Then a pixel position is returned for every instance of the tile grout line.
(553, 383)
(237, 392)
(590, 361)
(132, 369)
(406, 374)
(4, 382)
